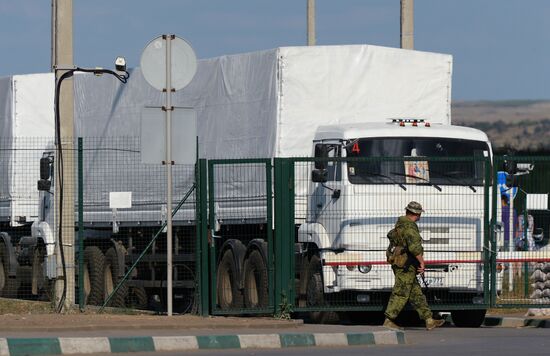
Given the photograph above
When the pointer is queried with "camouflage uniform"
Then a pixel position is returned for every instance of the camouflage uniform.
(406, 287)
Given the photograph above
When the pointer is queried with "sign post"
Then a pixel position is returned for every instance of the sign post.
(169, 63)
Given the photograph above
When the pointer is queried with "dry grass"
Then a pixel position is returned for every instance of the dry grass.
(16, 306)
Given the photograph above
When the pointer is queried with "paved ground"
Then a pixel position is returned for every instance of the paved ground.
(56, 334)
(87, 322)
(447, 341)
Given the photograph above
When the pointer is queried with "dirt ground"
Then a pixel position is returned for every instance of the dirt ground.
(29, 315)
(22, 315)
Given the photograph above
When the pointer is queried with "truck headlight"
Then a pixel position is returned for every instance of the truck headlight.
(365, 268)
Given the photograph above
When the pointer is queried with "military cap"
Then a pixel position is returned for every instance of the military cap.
(414, 208)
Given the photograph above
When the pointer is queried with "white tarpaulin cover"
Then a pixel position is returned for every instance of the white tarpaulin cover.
(261, 104)
(269, 103)
(327, 85)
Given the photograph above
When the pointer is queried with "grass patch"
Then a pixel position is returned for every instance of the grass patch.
(17, 306)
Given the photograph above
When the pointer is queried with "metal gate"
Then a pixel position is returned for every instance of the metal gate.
(240, 236)
(485, 232)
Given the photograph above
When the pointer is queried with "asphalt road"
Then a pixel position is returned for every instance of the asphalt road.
(447, 341)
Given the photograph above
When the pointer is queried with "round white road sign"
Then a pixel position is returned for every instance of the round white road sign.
(153, 63)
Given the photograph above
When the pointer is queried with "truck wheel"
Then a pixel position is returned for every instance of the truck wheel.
(111, 273)
(315, 294)
(229, 295)
(468, 318)
(256, 283)
(93, 275)
(8, 286)
(137, 298)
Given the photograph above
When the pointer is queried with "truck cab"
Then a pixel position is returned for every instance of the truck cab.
(378, 168)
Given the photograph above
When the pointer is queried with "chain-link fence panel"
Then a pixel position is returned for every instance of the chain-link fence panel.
(123, 214)
(240, 238)
(522, 230)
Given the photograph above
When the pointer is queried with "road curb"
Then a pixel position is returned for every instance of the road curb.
(92, 345)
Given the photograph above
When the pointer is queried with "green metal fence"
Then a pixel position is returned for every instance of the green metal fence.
(272, 236)
(330, 237)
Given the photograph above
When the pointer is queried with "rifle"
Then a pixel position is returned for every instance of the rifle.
(413, 261)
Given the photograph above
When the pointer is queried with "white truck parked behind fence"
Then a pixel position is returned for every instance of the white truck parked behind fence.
(276, 103)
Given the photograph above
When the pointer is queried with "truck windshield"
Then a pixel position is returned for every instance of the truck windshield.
(418, 171)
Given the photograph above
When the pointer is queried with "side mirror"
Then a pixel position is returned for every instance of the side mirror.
(45, 168)
(321, 151)
(319, 175)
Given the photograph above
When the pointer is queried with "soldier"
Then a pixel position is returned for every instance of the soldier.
(406, 287)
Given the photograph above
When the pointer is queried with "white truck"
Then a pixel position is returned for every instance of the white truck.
(356, 101)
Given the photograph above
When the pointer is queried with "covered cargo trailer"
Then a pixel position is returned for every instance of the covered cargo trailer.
(260, 104)
(264, 104)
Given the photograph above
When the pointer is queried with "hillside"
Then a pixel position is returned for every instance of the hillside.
(518, 125)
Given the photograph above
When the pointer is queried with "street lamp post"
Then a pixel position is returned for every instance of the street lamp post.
(65, 183)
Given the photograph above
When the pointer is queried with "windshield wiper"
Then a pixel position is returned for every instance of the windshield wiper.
(417, 177)
(456, 180)
(384, 176)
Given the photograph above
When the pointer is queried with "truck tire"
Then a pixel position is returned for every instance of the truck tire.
(468, 318)
(137, 298)
(93, 275)
(111, 272)
(256, 284)
(229, 295)
(315, 294)
(8, 286)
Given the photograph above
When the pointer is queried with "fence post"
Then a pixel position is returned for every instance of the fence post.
(210, 198)
(202, 250)
(80, 226)
(490, 254)
(284, 233)
(269, 224)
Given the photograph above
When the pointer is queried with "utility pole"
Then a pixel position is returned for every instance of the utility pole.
(311, 22)
(407, 24)
(62, 57)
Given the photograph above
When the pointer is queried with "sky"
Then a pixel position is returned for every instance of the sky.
(500, 48)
